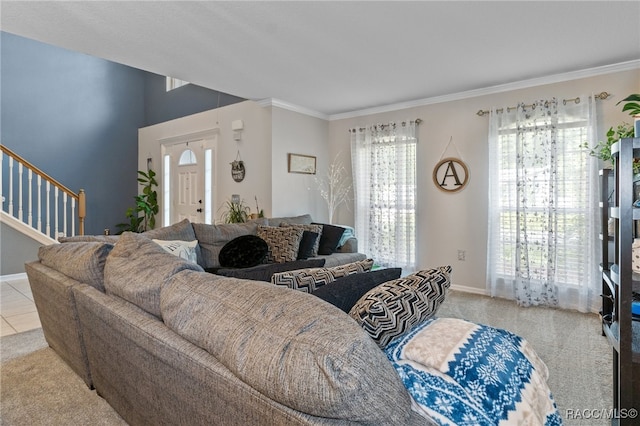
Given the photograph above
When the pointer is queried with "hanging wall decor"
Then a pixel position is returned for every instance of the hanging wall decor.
(450, 174)
(237, 169)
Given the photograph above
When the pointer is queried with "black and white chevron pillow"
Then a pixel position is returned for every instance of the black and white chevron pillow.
(392, 308)
(282, 243)
(308, 280)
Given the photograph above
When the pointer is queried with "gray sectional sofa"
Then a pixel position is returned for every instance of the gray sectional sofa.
(166, 343)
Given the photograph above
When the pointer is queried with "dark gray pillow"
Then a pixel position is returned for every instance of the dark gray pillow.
(307, 244)
(346, 291)
(329, 238)
(265, 271)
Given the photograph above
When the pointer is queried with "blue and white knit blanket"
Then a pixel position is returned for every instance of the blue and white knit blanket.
(461, 373)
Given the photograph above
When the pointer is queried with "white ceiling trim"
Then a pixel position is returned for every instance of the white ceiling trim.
(525, 84)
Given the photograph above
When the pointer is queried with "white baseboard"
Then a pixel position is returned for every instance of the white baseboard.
(467, 289)
(20, 276)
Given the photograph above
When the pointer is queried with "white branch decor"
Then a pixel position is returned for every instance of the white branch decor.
(334, 188)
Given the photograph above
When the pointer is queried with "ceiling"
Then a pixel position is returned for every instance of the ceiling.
(335, 58)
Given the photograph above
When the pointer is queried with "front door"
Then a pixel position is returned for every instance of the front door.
(188, 182)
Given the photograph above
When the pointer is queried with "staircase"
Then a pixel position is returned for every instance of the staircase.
(35, 204)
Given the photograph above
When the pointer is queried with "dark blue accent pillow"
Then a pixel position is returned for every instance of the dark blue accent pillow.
(243, 252)
(330, 237)
(305, 250)
(346, 291)
(265, 271)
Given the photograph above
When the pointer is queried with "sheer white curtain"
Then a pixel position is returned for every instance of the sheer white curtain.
(384, 169)
(543, 205)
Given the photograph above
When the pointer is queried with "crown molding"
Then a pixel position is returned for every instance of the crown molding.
(272, 102)
(524, 84)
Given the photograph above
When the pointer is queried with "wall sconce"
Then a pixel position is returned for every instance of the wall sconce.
(237, 126)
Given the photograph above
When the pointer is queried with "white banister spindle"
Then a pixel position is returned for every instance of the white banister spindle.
(39, 203)
(73, 216)
(11, 186)
(20, 191)
(48, 209)
(30, 203)
(64, 213)
(56, 208)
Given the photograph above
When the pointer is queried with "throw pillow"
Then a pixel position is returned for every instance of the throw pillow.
(265, 272)
(346, 291)
(183, 249)
(283, 243)
(391, 309)
(243, 252)
(311, 228)
(308, 280)
(307, 243)
(330, 238)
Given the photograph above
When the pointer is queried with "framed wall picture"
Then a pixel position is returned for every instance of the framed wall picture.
(302, 164)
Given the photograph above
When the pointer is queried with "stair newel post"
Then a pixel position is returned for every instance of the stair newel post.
(82, 211)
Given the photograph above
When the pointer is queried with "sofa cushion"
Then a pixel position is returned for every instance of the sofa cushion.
(82, 261)
(137, 268)
(330, 238)
(308, 280)
(392, 308)
(112, 239)
(182, 231)
(283, 243)
(243, 252)
(183, 249)
(290, 346)
(265, 271)
(316, 229)
(212, 238)
(304, 219)
(346, 291)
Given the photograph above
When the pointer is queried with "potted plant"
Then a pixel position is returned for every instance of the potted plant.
(235, 211)
(632, 104)
(142, 217)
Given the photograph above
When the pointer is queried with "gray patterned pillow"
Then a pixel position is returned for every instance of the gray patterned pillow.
(312, 228)
(308, 280)
(392, 308)
(283, 243)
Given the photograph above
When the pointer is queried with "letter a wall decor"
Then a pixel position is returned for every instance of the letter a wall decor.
(451, 174)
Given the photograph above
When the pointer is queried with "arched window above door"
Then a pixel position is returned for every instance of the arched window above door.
(187, 158)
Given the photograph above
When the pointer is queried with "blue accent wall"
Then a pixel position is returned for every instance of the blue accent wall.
(161, 106)
(76, 117)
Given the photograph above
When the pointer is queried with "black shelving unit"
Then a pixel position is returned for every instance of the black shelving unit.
(618, 280)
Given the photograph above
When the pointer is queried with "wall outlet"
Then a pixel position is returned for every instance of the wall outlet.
(462, 255)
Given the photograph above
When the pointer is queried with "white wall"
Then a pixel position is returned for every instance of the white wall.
(449, 222)
(254, 147)
(294, 193)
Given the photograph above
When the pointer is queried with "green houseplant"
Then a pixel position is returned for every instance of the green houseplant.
(142, 217)
(632, 104)
(235, 211)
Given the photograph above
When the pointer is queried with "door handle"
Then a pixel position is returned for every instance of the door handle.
(199, 210)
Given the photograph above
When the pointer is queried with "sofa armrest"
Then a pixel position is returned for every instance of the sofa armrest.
(350, 246)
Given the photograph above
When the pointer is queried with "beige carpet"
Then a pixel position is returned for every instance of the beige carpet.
(37, 387)
(579, 358)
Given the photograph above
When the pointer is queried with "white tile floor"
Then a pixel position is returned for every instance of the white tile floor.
(17, 309)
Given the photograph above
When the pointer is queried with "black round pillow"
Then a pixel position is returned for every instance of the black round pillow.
(243, 252)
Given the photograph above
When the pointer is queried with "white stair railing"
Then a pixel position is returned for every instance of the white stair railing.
(57, 214)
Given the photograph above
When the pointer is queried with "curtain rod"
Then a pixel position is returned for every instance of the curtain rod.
(601, 96)
(417, 121)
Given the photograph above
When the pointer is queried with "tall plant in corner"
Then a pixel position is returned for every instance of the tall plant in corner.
(142, 217)
(334, 188)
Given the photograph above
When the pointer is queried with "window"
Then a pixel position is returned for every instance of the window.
(174, 83)
(543, 189)
(384, 166)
